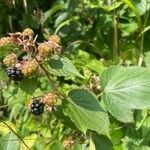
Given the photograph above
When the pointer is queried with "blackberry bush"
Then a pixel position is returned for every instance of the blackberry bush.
(103, 106)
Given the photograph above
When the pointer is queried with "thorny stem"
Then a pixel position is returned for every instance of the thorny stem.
(17, 135)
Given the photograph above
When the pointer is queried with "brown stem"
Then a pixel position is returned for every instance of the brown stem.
(115, 52)
(17, 135)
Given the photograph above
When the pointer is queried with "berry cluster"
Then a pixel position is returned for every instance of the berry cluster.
(33, 53)
(28, 63)
(51, 46)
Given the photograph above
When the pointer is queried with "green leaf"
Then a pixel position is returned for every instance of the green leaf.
(100, 4)
(132, 143)
(64, 23)
(85, 60)
(142, 6)
(144, 148)
(134, 9)
(111, 7)
(125, 89)
(3, 75)
(29, 85)
(4, 130)
(147, 59)
(78, 146)
(63, 118)
(86, 112)
(146, 127)
(100, 142)
(48, 14)
(96, 65)
(140, 118)
(62, 17)
(4, 50)
(9, 142)
(63, 67)
(128, 28)
(119, 111)
(30, 21)
(116, 132)
(55, 145)
(29, 140)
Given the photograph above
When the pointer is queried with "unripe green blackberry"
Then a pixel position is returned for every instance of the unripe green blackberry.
(54, 38)
(5, 41)
(44, 50)
(10, 60)
(28, 32)
(30, 68)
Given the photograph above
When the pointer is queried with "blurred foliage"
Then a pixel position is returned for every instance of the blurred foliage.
(95, 34)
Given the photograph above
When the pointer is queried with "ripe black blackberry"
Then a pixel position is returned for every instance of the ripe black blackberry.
(37, 107)
(14, 74)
